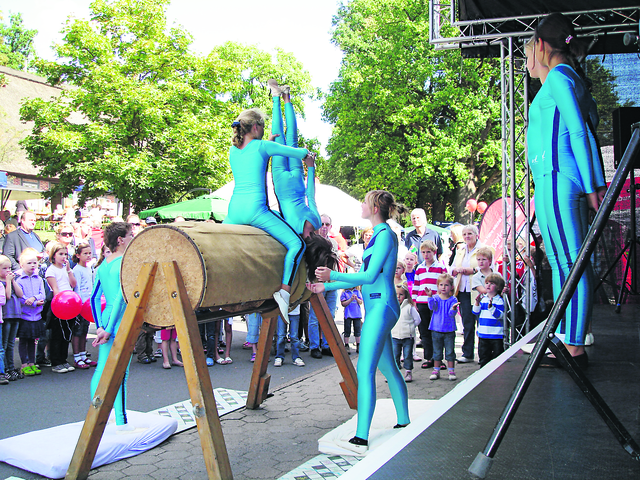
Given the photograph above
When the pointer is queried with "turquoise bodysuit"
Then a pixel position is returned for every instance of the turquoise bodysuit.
(108, 283)
(288, 175)
(565, 167)
(382, 307)
(248, 205)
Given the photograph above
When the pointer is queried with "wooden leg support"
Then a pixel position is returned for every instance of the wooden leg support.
(112, 376)
(259, 386)
(334, 339)
(198, 380)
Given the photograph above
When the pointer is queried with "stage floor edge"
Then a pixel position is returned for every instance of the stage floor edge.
(556, 433)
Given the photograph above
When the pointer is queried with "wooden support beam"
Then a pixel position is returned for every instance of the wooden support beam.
(112, 376)
(334, 339)
(259, 386)
(198, 380)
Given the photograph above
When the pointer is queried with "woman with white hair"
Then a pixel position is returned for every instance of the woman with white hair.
(464, 267)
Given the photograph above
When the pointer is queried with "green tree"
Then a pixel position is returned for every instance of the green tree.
(605, 95)
(144, 118)
(421, 123)
(16, 43)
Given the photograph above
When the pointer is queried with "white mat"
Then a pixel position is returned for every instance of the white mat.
(384, 418)
(48, 452)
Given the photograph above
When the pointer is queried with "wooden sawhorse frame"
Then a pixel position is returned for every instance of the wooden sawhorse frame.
(259, 387)
(195, 367)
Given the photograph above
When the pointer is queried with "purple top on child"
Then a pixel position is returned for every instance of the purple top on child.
(32, 286)
(12, 308)
(443, 318)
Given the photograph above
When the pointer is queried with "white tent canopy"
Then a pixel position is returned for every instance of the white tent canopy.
(343, 209)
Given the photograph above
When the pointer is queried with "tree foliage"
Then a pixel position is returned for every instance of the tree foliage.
(143, 117)
(421, 123)
(604, 92)
(16, 43)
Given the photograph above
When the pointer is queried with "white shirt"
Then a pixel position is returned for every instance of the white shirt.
(61, 275)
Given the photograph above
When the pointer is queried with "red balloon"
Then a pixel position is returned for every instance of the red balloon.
(86, 311)
(482, 206)
(471, 205)
(66, 305)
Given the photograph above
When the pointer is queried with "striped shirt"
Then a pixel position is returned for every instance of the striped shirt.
(426, 277)
(490, 323)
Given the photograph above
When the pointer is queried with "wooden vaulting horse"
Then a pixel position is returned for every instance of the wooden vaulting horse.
(169, 271)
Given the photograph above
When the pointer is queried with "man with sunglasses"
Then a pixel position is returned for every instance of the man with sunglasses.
(23, 237)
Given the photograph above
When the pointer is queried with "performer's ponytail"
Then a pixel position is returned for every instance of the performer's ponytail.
(386, 204)
(558, 31)
(244, 123)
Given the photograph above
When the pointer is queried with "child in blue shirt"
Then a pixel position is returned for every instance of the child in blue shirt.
(490, 308)
(351, 299)
(444, 307)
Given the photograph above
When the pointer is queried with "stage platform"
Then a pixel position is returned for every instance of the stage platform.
(556, 433)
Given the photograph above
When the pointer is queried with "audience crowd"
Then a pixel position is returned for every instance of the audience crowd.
(458, 275)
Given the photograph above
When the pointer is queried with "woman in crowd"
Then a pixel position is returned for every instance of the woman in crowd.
(464, 267)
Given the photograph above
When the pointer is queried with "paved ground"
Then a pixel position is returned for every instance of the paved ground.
(273, 440)
(265, 443)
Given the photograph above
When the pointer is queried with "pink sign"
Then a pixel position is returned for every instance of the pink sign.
(491, 229)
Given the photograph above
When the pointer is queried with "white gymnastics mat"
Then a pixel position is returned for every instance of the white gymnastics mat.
(384, 419)
(48, 452)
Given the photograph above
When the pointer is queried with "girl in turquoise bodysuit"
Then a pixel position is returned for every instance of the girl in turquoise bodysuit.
(288, 173)
(249, 157)
(568, 178)
(117, 236)
(381, 303)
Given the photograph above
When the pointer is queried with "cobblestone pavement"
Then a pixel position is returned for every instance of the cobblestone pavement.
(276, 438)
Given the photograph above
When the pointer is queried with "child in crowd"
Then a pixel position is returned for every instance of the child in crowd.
(43, 351)
(254, 322)
(104, 254)
(60, 278)
(84, 286)
(351, 299)
(444, 307)
(484, 257)
(11, 316)
(3, 300)
(399, 276)
(403, 332)
(410, 262)
(32, 326)
(227, 324)
(294, 323)
(490, 308)
(169, 338)
(426, 280)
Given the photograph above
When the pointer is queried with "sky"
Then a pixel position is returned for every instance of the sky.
(302, 28)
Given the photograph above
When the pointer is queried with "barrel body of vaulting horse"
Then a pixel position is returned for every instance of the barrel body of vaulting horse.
(224, 267)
